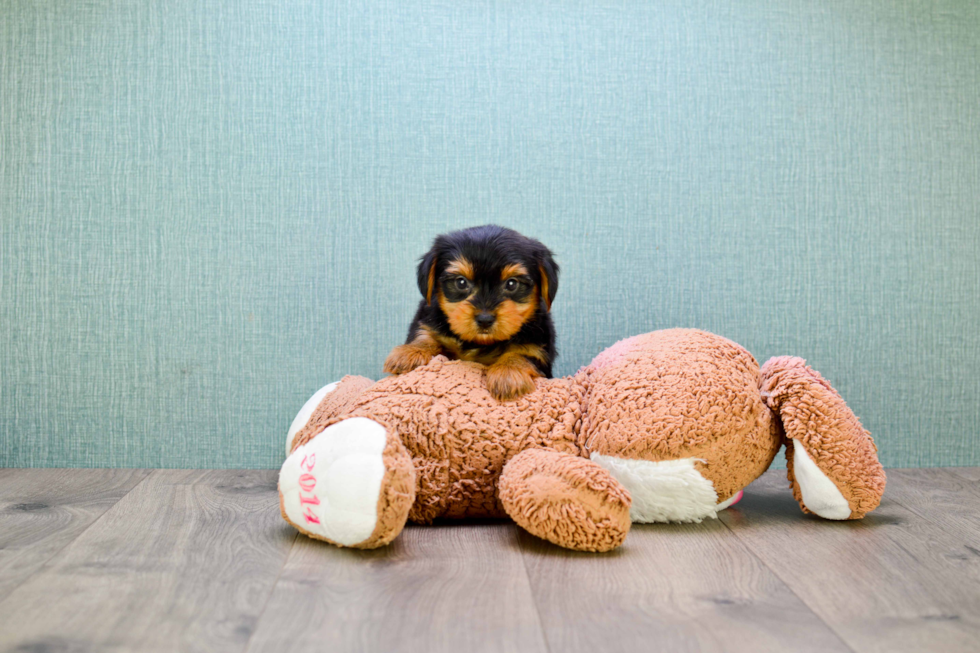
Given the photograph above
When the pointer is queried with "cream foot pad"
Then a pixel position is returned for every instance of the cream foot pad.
(330, 486)
(820, 495)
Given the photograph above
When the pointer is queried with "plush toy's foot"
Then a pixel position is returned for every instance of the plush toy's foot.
(565, 499)
(833, 466)
(304, 414)
(730, 501)
(666, 490)
(328, 402)
(352, 485)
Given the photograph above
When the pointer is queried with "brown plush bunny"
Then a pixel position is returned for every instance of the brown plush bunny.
(666, 426)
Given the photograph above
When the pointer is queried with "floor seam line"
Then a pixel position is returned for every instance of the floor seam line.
(272, 590)
(534, 600)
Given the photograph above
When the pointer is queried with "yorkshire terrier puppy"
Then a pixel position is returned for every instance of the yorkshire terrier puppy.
(487, 292)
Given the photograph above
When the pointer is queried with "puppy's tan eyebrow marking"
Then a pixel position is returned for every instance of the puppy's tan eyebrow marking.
(461, 266)
(513, 270)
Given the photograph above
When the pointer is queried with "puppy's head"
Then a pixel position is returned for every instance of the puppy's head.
(488, 281)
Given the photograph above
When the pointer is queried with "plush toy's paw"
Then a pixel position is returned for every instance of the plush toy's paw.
(813, 489)
(565, 499)
(328, 402)
(304, 414)
(510, 381)
(352, 485)
(405, 358)
(832, 463)
(666, 490)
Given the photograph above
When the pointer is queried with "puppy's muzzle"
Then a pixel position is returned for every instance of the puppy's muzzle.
(485, 319)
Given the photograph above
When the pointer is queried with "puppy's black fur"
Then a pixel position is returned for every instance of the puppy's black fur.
(486, 295)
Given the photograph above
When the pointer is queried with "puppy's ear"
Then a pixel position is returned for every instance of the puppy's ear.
(426, 275)
(548, 270)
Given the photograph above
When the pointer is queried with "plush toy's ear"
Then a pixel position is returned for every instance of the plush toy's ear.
(548, 270)
(426, 275)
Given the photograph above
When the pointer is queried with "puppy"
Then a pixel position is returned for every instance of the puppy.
(487, 292)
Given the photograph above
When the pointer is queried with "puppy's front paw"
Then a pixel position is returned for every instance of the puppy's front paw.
(405, 358)
(509, 382)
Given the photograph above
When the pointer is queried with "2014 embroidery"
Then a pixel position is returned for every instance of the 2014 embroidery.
(306, 484)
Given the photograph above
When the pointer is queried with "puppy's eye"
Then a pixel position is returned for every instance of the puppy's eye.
(511, 285)
(461, 283)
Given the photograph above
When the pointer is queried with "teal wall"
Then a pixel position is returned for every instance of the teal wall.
(211, 208)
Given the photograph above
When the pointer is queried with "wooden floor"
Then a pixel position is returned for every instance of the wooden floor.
(139, 560)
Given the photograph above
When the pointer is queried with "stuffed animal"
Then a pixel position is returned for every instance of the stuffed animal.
(668, 426)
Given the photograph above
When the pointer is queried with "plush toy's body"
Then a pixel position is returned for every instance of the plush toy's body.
(667, 426)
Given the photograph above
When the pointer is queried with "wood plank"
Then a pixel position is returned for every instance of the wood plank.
(890, 582)
(947, 500)
(43, 510)
(448, 587)
(670, 587)
(188, 560)
(968, 473)
(185, 561)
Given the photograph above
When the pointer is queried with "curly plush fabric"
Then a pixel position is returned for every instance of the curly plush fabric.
(334, 403)
(814, 414)
(567, 500)
(460, 437)
(642, 407)
(396, 497)
(677, 394)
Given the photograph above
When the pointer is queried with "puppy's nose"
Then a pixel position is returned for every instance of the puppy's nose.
(484, 319)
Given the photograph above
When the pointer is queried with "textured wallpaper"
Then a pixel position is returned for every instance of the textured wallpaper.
(209, 209)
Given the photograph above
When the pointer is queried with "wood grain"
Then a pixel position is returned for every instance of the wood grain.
(893, 581)
(449, 587)
(946, 499)
(967, 473)
(684, 587)
(184, 562)
(43, 510)
(202, 561)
